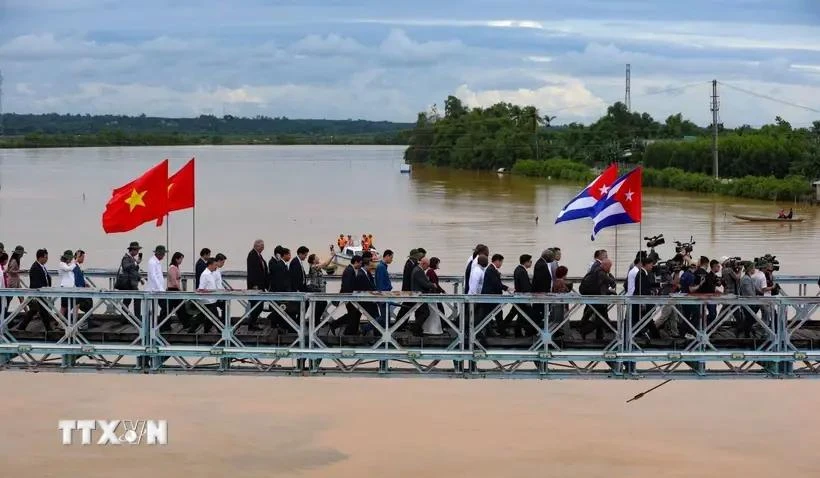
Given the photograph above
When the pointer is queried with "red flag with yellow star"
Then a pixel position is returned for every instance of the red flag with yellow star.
(181, 189)
(143, 199)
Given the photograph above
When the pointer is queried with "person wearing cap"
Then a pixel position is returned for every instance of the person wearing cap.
(155, 280)
(65, 277)
(128, 275)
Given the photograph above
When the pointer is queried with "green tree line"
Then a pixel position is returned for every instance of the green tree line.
(53, 123)
(121, 138)
(503, 134)
(752, 187)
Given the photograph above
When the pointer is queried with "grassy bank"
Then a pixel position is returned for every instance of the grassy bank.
(751, 187)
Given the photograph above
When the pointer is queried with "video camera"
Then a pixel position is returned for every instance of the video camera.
(768, 259)
(734, 263)
(654, 241)
(684, 247)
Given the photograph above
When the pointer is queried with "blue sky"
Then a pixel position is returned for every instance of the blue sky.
(389, 59)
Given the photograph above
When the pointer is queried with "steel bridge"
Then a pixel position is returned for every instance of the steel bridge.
(295, 339)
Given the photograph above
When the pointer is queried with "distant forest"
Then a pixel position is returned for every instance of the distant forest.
(28, 130)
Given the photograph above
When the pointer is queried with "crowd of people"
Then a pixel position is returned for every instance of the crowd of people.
(305, 272)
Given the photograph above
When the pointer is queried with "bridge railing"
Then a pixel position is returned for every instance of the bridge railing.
(562, 336)
(105, 278)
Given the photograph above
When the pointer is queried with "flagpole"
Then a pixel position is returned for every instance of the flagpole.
(193, 224)
(167, 240)
(193, 237)
(616, 251)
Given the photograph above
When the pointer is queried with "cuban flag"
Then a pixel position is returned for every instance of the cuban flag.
(583, 205)
(622, 205)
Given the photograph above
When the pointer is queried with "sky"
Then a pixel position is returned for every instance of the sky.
(388, 60)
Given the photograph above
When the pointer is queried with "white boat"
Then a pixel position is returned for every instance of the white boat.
(405, 168)
(343, 258)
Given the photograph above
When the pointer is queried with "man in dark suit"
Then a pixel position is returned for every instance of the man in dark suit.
(419, 282)
(596, 282)
(257, 280)
(644, 286)
(352, 318)
(365, 282)
(521, 281)
(542, 280)
(38, 278)
(406, 278)
(279, 282)
(278, 270)
(201, 265)
(298, 282)
(493, 286)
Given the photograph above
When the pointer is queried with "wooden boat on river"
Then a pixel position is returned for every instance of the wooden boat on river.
(766, 219)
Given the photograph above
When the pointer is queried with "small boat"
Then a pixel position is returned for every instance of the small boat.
(405, 168)
(343, 257)
(767, 219)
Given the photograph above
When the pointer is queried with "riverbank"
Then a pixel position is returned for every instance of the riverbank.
(117, 138)
(751, 187)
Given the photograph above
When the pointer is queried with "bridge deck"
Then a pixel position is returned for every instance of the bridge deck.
(785, 342)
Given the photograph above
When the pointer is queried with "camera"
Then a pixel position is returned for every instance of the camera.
(654, 241)
(768, 259)
(684, 247)
(734, 263)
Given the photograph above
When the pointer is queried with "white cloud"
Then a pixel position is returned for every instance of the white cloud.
(400, 47)
(567, 95)
(538, 59)
(24, 89)
(330, 45)
(757, 36)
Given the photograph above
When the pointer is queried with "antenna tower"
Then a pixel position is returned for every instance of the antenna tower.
(715, 107)
(1, 103)
(628, 92)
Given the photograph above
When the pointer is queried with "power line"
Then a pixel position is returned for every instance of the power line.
(770, 98)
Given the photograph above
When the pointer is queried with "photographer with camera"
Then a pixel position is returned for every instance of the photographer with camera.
(689, 284)
(709, 286)
(748, 288)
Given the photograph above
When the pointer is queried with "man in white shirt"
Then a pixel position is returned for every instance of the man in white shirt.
(553, 266)
(479, 250)
(759, 278)
(220, 259)
(65, 274)
(156, 281)
(477, 275)
(207, 283)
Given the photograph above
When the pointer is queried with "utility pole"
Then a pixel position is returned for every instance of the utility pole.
(628, 92)
(1, 103)
(715, 110)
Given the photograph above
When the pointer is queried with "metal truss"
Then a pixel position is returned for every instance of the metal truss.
(181, 332)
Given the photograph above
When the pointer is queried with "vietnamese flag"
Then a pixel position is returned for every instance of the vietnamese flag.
(181, 189)
(143, 199)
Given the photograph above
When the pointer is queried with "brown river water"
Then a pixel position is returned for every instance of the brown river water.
(263, 427)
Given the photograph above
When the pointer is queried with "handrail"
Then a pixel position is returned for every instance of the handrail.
(802, 281)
